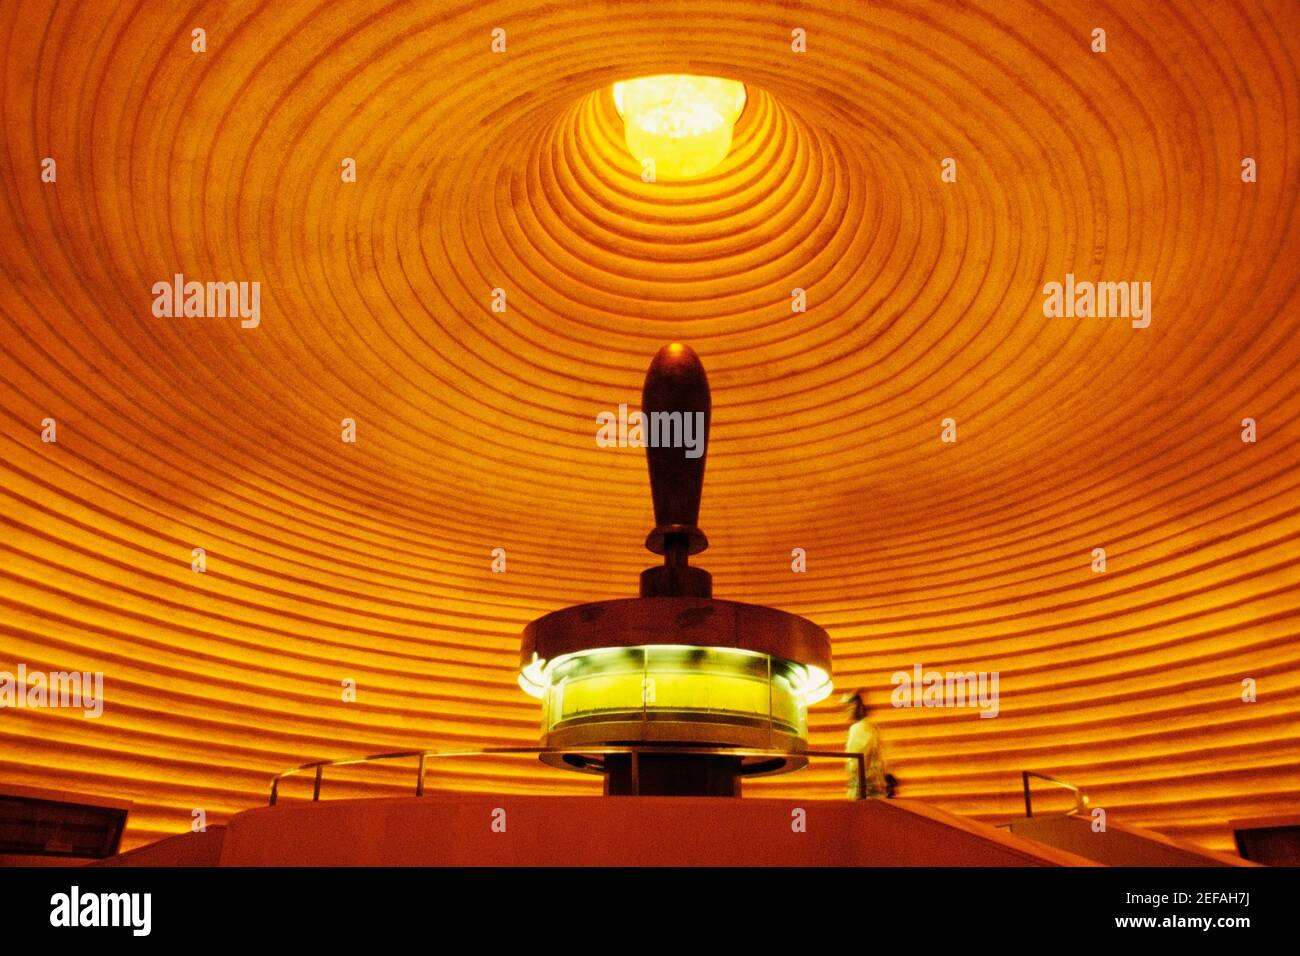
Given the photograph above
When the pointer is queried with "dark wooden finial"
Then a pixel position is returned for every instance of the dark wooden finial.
(676, 409)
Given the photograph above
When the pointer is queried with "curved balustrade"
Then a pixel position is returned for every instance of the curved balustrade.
(582, 758)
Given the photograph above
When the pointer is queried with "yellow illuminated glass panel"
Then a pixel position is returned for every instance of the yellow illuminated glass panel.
(681, 683)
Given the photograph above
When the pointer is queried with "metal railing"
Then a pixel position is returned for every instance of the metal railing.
(1080, 798)
(318, 767)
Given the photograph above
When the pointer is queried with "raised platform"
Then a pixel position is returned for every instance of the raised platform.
(512, 830)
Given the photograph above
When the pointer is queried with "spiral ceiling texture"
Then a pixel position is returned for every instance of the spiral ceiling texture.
(868, 263)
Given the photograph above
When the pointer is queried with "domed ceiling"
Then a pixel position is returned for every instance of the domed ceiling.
(499, 273)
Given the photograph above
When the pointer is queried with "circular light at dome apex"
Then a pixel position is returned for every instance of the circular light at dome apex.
(679, 122)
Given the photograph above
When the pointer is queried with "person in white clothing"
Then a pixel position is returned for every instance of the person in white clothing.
(864, 738)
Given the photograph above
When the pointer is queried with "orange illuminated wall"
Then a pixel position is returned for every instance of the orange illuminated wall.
(477, 171)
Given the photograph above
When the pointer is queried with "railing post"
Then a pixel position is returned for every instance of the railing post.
(636, 771)
(419, 784)
(862, 776)
(1029, 809)
(275, 790)
(315, 790)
